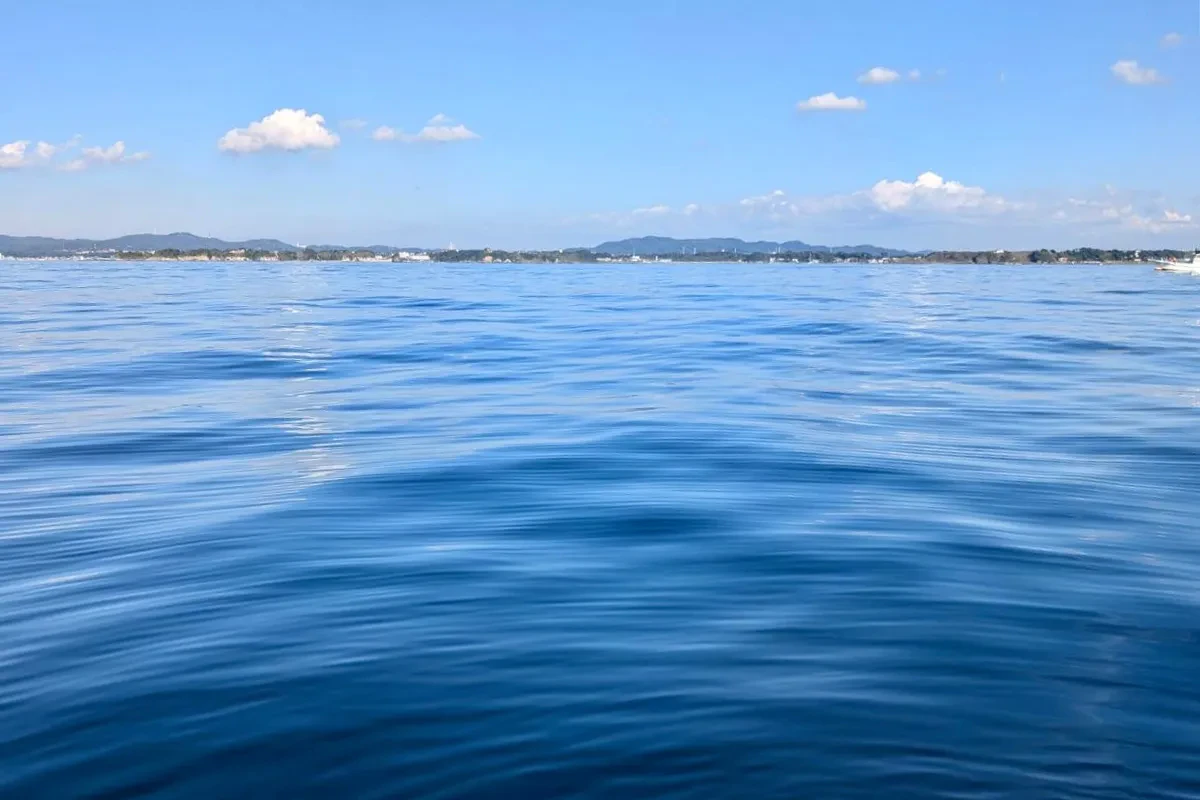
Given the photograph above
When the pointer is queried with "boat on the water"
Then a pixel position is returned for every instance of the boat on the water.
(1190, 267)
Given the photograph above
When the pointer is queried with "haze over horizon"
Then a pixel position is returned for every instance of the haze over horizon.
(543, 127)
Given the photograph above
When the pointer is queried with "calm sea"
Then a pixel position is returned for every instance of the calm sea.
(376, 530)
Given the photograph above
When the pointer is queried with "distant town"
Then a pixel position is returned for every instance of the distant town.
(187, 247)
(1084, 255)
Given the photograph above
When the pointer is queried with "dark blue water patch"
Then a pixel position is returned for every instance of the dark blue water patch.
(672, 531)
(187, 445)
(1070, 344)
(819, 329)
(164, 372)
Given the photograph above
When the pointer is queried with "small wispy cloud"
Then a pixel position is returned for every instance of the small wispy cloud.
(880, 75)
(926, 200)
(24, 153)
(1172, 39)
(440, 129)
(914, 74)
(831, 102)
(288, 129)
(113, 155)
(1132, 210)
(354, 124)
(95, 156)
(1129, 71)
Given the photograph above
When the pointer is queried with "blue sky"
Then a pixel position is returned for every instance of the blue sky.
(552, 124)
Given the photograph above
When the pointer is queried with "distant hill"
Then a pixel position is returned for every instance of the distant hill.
(46, 246)
(665, 246)
(35, 246)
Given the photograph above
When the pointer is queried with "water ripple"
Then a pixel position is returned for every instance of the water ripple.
(664, 531)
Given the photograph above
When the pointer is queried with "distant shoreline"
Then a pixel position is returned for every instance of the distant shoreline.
(723, 258)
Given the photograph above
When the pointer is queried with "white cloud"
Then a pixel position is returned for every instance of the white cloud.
(914, 74)
(928, 194)
(878, 75)
(12, 155)
(1128, 71)
(445, 133)
(930, 200)
(288, 129)
(831, 102)
(1157, 223)
(16, 155)
(92, 156)
(1170, 40)
(1139, 211)
(764, 199)
(931, 191)
(440, 129)
(354, 124)
(112, 155)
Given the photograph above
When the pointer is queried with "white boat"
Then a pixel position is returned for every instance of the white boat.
(1189, 267)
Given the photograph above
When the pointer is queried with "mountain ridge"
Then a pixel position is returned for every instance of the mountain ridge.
(666, 245)
(39, 246)
(43, 246)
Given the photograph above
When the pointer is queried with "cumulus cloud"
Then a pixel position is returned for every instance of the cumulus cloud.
(654, 211)
(931, 191)
(831, 102)
(1128, 71)
(1171, 216)
(289, 129)
(1171, 40)
(440, 129)
(879, 75)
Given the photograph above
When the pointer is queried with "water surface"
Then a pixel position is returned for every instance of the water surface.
(359, 530)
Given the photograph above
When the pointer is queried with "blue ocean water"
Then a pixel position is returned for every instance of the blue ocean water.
(376, 530)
